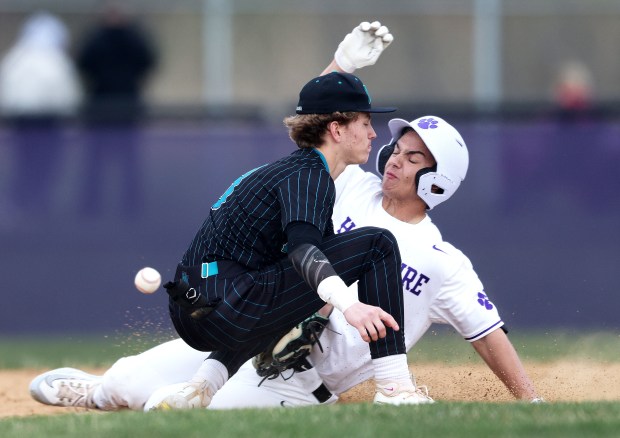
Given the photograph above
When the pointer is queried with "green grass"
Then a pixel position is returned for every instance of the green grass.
(71, 350)
(436, 346)
(341, 421)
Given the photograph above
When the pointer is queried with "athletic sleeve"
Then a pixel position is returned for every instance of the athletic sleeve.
(463, 302)
(308, 196)
(298, 233)
(304, 254)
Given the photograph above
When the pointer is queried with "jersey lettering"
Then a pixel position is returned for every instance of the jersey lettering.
(412, 282)
(347, 225)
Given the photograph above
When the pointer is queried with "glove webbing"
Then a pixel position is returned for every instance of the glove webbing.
(292, 353)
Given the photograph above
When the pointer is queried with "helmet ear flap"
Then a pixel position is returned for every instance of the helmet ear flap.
(421, 190)
(423, 172)
(383, 156)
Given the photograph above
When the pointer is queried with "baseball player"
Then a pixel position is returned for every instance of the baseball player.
(439, 286)
(267, 256)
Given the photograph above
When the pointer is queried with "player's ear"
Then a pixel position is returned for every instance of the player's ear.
(334, 129)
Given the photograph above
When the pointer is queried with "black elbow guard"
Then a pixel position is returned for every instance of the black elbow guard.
(311, 264)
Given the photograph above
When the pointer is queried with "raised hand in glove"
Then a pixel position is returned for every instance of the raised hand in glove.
(363, 46)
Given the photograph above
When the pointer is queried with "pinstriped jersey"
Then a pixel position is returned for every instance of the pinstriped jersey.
(247, 222)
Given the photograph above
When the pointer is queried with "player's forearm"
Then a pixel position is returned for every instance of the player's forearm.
(332, 66)
(318, 273)
(501, 357)
(326, 310)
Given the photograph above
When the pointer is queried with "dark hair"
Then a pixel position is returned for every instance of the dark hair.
(308, 130)
(405, 130)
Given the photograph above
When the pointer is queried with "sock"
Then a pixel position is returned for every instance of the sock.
(212, 371)
(392, 368)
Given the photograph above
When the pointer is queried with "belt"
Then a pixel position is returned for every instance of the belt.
(224, 268)
(208, 269)
(322, 394)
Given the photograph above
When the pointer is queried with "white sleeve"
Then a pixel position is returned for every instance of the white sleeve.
(463, 303)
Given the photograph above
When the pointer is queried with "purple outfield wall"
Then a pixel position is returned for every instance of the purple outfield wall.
(538, 215)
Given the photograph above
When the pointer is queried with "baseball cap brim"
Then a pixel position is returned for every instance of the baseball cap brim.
(381, 109)
(336, 92)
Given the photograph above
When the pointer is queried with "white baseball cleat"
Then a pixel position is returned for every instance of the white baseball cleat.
(395, 393)
(194, 395)
(66, 387)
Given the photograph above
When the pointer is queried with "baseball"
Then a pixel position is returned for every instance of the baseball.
(147, 280)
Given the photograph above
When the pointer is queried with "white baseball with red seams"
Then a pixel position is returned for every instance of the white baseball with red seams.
(147, 280)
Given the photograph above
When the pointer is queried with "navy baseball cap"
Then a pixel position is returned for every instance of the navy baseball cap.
(336, 92)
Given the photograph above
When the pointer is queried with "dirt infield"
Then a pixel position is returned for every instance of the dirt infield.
(558, 381)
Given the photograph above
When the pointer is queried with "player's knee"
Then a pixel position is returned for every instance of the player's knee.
(120, 373)
(129, 382)
(385, 241)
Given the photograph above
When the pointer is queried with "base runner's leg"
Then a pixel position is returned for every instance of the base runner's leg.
(243, 390)
(131, 380)
(127, 384)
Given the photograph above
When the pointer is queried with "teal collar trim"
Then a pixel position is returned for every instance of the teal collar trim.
(322, 158)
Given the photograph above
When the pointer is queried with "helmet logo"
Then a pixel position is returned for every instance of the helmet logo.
(429, 123)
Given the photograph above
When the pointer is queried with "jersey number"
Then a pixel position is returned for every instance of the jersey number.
(232, 187)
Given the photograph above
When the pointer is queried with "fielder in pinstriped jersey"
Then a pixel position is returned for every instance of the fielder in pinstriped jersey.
(258, 244)
(267, 257)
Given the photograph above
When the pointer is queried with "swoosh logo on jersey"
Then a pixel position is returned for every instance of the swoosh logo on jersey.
(282, 403)
(438, 249)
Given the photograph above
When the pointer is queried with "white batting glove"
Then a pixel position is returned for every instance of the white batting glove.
(363, 46)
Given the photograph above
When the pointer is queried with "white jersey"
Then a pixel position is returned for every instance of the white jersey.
(439, 284)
